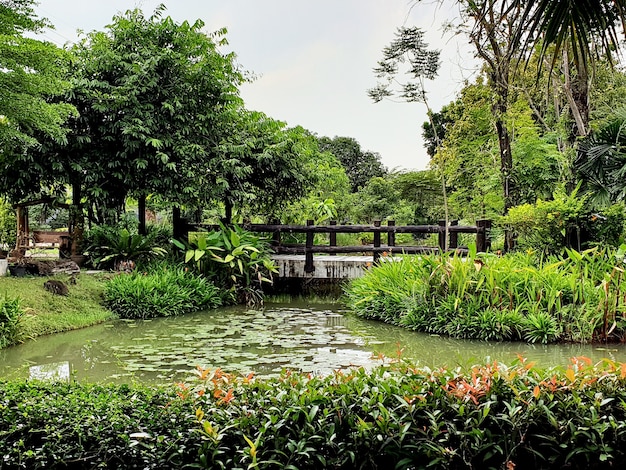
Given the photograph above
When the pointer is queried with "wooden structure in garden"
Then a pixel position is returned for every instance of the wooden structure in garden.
(309, 260)
(38, 239)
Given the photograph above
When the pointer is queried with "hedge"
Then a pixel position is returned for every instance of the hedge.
(394, 416)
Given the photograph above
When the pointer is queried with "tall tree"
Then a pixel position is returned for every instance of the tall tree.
(578, 31)
(259, 165)
(31, 80)
(360, 165)
(493, 23)
(156, 97)
(409, 49)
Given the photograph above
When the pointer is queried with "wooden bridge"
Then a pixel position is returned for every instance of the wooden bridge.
(309, 260)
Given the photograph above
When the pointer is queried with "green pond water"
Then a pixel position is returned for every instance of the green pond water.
(307, 338)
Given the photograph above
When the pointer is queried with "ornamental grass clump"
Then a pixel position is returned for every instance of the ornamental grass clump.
(520, 296)
(160, 293)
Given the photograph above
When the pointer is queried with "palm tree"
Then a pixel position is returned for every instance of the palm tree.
(601, 162)
(578, 31)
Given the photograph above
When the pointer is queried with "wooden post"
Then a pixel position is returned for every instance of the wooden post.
(276, 239)
(332, 236)
(308, 254)
(22, 231)
(391, 236)
(442, 235)
(483, 242)
(275, 235)
(376, 241)
(453, 241)
(141, 214)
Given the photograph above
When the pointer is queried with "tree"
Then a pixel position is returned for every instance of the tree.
(421, 190)
(409, 49)
(155, 98)
(259, 165)
(328, 192)
(601, 162)
(435, 130)
(377, 200)
(578, 31)
(361, 166)
(31, 80)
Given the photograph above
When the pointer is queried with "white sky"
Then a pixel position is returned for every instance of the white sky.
(313, 59)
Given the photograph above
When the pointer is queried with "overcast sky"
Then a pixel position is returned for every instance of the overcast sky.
(313, 60)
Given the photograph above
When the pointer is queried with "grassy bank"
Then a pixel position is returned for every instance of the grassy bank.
(46, 313)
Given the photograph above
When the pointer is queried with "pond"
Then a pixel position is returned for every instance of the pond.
(308, 338)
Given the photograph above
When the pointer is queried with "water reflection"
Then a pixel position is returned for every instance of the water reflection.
(315, 339)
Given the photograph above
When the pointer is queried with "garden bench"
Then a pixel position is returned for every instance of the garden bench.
(47, 239)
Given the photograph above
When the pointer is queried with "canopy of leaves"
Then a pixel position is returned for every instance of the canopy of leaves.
(31, 74)
(580, 25)
(360, 165)
(155, 98)
(259, 164)
(407, 49)
(601, 162)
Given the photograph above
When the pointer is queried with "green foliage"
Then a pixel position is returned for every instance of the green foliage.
(234, 258)
(8, 224)
(544, 226)
(260, 165)
(394, 416)
(10, 314)
(30, 83)
(515, 297)
(136, 86)
(328, 182)
(107, 426)
(377, 200)
(359, 165)
(606, 227)
(120, 248)
(161, 292)
(600, 161)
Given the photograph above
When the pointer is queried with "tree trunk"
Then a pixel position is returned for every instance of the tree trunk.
(576, 90)
(228, 212)
(77, 220)
(141, 213)
(500, 78)
(179, 226)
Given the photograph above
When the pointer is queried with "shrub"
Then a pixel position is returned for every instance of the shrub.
(234, 258)
(160, 293)
(60, 426)
(10, 313)
(545, 225)
(114, 247)
(394, 416)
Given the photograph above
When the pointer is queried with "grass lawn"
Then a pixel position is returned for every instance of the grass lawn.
(47, 313)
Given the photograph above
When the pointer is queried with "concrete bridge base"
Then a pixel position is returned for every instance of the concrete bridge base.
(326, 267)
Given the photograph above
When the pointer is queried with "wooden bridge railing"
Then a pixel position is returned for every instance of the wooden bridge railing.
(481, 229)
